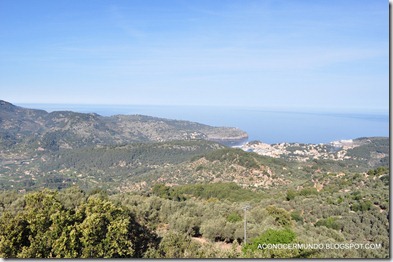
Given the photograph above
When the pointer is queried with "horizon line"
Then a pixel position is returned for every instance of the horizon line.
(266, 107)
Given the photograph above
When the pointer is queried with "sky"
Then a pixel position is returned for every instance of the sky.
(259, 53)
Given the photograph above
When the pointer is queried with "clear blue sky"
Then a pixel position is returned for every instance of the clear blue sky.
(323, 54)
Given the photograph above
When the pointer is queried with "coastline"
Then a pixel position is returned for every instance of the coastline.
(268, 126)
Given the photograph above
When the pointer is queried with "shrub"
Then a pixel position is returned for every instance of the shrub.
(234, 217)
(281, 236)
(271, 236)
(295, 215)
(308, 191)
(291, 194)
(281, 216)
(329, 222)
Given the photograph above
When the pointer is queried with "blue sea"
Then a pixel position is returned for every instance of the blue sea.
(263, 124)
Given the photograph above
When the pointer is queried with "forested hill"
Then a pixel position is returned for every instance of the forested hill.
(78, 185)
(38, 129)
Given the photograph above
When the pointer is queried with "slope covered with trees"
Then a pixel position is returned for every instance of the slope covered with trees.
(201, 220)
(30, 129)
(81, 185)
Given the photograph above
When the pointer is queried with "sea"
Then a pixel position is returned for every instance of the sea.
(268, 125)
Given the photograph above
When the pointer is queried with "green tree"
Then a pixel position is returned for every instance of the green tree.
(271, 236)
(281, 216)
(104, 230)
(14, 234)
(95, 228)
(178, 245)
(213, 229)
(234, 217)
(329, 222)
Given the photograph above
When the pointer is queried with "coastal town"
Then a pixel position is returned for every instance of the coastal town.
(336, 150)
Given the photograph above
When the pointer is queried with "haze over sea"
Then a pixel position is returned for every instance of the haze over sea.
(263, 124)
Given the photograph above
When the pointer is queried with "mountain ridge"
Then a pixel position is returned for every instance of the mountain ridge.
(133, 152)
(68, 129)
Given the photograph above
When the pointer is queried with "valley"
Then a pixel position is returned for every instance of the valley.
(180, 187)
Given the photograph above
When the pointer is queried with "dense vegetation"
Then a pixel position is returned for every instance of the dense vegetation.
(108, 166)
(219, 191)
(22, 128)
(69, 224)
(201, 220)
(79, 185)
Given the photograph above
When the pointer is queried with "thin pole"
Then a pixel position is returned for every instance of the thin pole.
(245, 223)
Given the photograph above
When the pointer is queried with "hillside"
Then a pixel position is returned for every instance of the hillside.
(139, 166)
(31, 129)
(201, 221)
(128, 153)
(138, 186)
